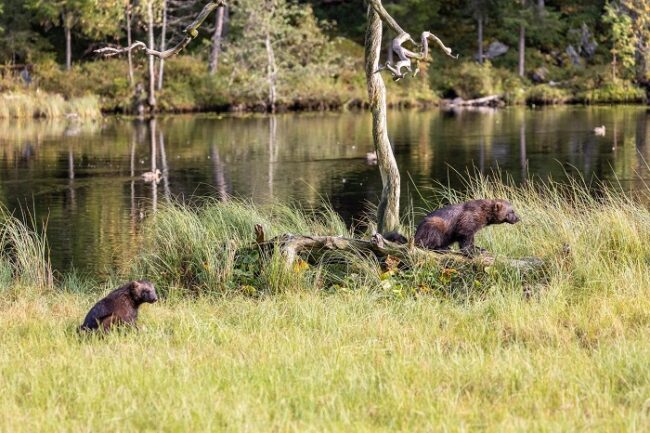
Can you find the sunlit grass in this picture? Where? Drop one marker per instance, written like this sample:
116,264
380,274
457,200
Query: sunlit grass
316,362
28,105
24,255
339,346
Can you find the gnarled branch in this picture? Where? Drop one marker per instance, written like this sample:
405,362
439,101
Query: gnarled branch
405,55
190,32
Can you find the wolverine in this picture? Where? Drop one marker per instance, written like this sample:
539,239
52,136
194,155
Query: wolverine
460,223
120,306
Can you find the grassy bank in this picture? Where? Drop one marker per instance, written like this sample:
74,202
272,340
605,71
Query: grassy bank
339,346
103,86
34,104
590,85
313,362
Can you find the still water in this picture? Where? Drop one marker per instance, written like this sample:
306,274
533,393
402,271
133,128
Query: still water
84,179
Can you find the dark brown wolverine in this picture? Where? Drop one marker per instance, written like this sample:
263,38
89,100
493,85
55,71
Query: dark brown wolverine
120,306
460,222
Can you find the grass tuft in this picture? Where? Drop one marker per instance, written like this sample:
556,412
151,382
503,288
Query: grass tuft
24,255
27,105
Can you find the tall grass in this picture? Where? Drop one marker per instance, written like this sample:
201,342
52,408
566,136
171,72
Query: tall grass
320,363
46,105
24,255
589,243
200,249
425,349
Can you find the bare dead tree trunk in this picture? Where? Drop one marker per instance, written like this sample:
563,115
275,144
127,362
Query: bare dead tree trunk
522,49
480,39
163,45
540,4
271,71
67,29
388,209
152,72
216,41
129,12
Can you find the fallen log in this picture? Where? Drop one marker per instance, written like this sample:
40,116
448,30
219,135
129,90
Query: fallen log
490,101
313,247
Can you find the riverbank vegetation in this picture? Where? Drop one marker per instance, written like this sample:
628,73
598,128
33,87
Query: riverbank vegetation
536,53
342,344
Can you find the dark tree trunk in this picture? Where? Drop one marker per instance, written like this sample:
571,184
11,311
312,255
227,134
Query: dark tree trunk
480,40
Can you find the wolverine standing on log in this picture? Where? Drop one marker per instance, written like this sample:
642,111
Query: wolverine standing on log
460,223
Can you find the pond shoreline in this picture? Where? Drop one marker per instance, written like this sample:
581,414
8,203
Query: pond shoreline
38,105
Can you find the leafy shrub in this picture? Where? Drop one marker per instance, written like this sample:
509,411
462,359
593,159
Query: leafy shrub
614,92
543,94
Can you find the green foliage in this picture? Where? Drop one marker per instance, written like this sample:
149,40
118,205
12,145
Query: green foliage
543,94
470,80
317,70
614,92
624,40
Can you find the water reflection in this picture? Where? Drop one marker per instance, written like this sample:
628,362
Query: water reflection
86,180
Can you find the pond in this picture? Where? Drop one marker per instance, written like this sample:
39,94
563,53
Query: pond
83,180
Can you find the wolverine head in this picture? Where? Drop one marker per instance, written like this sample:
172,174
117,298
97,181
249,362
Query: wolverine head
143,291
504,212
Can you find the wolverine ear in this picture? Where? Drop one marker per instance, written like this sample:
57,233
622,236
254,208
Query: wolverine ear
498,206
136,289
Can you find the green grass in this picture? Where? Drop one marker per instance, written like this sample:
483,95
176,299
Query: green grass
24,256
339,346
315,362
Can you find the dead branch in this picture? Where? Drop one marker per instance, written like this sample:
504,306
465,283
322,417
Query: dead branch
190,33
293,246
406,56
484,101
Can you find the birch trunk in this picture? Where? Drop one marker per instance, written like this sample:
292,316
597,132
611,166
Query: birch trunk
67,28
388,209
271,71
129,40
163,45
152,72
216,41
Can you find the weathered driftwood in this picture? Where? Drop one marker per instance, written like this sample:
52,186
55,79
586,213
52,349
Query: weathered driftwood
405,55
478,102
294,246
